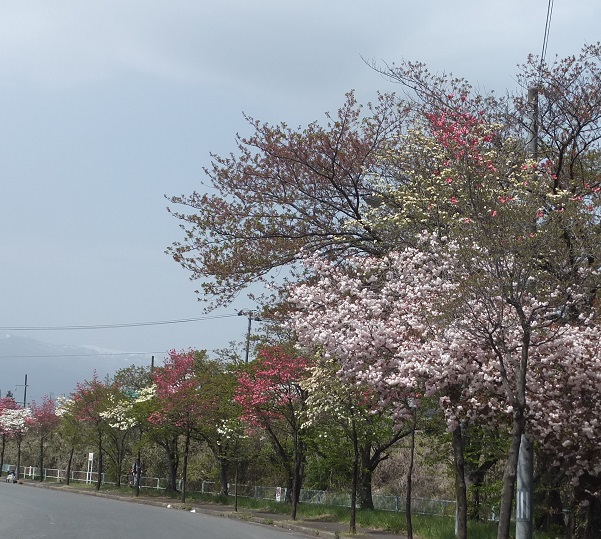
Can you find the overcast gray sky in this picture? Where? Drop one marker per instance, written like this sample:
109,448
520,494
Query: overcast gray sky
107,106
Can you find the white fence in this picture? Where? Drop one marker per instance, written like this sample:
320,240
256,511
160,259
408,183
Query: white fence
320,497
54,474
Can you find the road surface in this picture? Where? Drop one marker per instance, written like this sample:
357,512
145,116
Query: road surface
28,512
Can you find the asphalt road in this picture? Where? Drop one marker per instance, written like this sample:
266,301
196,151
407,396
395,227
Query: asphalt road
36,513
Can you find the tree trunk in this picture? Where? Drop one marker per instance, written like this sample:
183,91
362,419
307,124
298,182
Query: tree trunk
137,473
548,498
118,470
170,447
236,487
100,463
185,467
410,480
69,463
509,477
224,465
364,492
588,514
139,465
289,486
517,429
172,463
355,481
18,457
297,474
475,479
2,453
41,458
551,517
460,488
117,453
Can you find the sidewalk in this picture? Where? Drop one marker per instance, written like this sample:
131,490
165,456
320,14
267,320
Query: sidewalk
309,527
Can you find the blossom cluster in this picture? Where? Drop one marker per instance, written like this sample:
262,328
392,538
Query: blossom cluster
414,323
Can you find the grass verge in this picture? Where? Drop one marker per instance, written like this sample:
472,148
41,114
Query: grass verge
424,526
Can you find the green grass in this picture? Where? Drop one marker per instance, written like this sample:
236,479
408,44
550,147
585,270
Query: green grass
424,526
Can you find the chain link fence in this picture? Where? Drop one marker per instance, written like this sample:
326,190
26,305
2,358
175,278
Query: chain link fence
319,497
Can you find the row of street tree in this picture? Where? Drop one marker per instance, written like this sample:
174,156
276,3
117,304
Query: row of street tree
281,409
443,253
442,257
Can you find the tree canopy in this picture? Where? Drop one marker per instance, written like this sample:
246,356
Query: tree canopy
452,246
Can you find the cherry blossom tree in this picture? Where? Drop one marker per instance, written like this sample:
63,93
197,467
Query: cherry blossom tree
43,422
565,407
272,398
396,323
6,403
14,422
286,190
518,237
528,231
376,317
89,402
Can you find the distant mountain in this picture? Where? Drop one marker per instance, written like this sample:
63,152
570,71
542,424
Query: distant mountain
53,369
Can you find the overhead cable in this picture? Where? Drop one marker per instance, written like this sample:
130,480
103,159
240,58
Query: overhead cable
114,326
547,30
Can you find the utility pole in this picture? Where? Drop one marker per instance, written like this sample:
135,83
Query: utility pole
252,315
25,393
525,471
19,438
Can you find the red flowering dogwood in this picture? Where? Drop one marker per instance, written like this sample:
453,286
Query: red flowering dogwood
271,396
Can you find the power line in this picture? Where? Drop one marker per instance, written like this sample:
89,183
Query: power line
82,355
114,326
